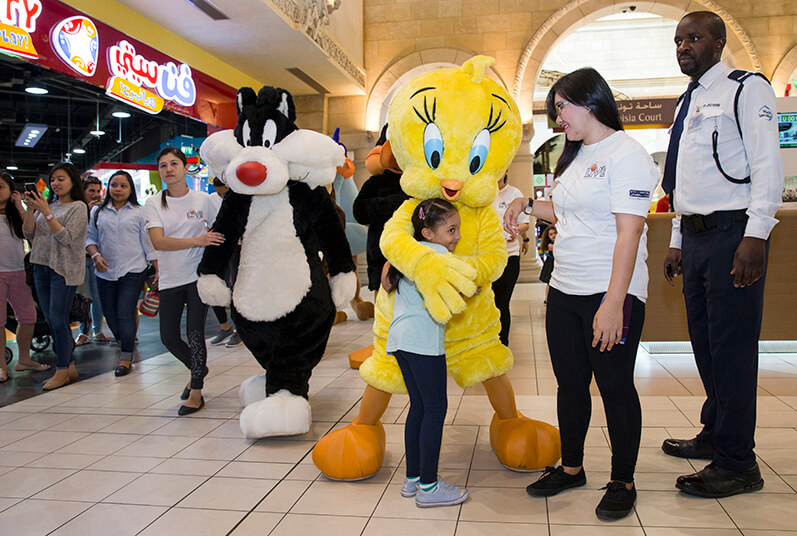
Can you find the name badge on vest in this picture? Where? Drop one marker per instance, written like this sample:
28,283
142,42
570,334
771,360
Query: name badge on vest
695,121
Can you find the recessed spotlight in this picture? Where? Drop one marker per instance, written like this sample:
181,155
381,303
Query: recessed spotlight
79,150
120,114
97,133
36,90
12,167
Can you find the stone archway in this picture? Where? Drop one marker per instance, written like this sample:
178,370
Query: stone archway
739,50
400,72
783,71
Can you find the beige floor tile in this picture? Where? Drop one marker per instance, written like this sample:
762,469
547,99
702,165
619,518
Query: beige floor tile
157,490
475,528
308,471
686,531
27,481
130,464
762,511
175,466
781,460
136,425
753,532
265,470
283,496
502,478
381,526
36,422
653,460
66,461
215,448
229,494
269,450
11,416
100,444
503,505
45,441
257,524
89,486
393,505
577,507
35,517
9,437
18,459
332,498
667,509
190,427
607,529
7,502
193,522
157,446
229,428
293,524
85,423
126,520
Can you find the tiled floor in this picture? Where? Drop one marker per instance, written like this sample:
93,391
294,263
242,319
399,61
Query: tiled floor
108,456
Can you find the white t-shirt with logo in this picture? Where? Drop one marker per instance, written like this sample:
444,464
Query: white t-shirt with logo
188,216
613,176
506,195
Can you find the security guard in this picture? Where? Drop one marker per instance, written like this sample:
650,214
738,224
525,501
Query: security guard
724,165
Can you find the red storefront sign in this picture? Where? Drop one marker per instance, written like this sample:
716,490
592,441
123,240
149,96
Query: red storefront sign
61,38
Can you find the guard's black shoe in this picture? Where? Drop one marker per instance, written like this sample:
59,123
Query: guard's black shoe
554,480
715,482
688,448
617,502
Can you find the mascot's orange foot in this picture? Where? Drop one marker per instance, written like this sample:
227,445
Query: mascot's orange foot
523,444
363,309
351,453
340,316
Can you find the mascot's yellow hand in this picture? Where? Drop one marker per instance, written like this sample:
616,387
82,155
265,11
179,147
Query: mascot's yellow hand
442,280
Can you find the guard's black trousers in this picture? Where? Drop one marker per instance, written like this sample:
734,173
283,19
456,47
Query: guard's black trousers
724,325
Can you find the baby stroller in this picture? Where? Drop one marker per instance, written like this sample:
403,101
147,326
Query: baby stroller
41,332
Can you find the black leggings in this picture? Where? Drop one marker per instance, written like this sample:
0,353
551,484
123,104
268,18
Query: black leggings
194,354
503,288
425,378
568,325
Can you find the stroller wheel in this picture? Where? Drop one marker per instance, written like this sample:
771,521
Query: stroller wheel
40,343
9,355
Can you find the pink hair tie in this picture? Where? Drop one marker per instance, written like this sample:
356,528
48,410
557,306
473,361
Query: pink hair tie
420,214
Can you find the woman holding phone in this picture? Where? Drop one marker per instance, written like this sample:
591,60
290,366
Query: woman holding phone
179,221
58,230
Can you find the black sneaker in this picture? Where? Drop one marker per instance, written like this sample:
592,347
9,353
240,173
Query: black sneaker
617,502
555,480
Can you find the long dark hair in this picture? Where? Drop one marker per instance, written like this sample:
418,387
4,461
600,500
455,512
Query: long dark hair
583,87
13,218
429,214
546,239
76,192
133,199
175,152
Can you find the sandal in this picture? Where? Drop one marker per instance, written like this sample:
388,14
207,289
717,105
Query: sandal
82,339
3,375
36,367
102,337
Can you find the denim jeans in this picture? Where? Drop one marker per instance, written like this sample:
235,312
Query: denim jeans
96,307
55,300
119,300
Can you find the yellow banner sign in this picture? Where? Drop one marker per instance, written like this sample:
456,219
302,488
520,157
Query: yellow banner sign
136,96
17,41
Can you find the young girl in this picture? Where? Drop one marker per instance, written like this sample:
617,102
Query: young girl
178,220
546,246
58,255
13,288
416,341
119,246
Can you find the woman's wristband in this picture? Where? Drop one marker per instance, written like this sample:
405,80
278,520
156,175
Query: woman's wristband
95,255
525,239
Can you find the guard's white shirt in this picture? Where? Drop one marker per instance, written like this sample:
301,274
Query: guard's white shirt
188,216
614,176
699,186
506,195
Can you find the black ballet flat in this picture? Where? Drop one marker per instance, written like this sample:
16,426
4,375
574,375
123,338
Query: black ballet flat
121,371
186,410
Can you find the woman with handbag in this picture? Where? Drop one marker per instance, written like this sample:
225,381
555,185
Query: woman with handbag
119,246
179,221
58,230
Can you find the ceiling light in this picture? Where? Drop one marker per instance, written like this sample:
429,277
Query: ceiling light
97,133
79,150
31,134
11,167
36,90
120,114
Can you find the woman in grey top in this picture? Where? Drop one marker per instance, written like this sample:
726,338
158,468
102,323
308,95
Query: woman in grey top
58,230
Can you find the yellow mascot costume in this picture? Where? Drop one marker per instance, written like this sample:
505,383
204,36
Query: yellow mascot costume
454,132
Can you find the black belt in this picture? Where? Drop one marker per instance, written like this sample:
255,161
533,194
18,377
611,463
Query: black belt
697,223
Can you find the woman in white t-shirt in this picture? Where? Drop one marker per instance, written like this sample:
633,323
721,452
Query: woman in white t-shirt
13,286
179,221
599,203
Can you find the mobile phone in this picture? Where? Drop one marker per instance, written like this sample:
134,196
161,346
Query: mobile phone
31,187
95,197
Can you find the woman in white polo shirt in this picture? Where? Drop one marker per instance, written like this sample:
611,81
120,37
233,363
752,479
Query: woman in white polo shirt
599,202
179,221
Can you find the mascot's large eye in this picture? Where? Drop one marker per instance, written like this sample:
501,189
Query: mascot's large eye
479,150
432,145
269,133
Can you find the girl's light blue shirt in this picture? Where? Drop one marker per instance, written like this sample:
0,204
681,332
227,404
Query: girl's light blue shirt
122,239
413,329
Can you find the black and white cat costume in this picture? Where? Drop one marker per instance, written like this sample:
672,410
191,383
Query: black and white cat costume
283,304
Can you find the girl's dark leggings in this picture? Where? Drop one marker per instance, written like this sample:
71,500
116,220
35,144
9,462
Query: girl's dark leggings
193,354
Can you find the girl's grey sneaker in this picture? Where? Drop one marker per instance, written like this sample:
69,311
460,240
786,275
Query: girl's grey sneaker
444,495
221,336
234,341
409,488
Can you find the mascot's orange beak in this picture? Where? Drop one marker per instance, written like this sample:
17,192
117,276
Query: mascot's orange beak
347,169
372,161
251,173
387,160
451,189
